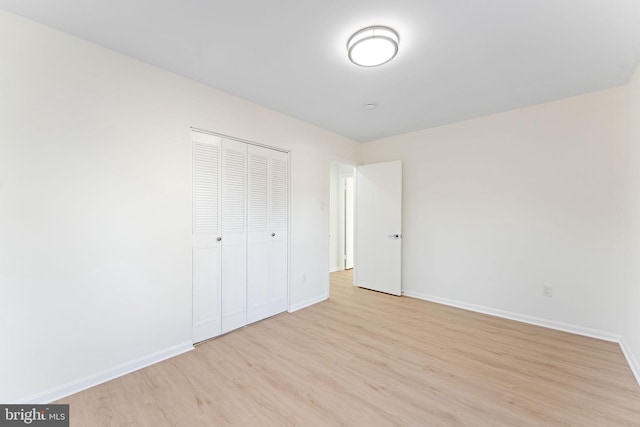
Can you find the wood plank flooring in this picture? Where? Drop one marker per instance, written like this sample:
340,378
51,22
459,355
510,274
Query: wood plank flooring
364,358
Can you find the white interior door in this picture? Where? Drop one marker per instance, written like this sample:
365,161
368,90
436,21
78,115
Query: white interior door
378,252
234,235
206,234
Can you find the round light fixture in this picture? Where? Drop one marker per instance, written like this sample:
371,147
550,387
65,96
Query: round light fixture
373,46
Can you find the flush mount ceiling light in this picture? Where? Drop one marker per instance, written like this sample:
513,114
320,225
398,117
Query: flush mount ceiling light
373,46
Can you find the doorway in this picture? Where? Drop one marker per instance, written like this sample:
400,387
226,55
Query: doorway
342,216
365,224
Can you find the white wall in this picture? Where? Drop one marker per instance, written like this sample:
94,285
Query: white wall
95,206
497,207
631,341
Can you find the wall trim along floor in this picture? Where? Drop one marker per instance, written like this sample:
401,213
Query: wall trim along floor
81,384
307,303
631,359
566,327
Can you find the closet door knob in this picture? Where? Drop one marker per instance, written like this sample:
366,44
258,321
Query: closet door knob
219,238
273,234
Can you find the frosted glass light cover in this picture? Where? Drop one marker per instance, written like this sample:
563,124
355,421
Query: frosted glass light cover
373,46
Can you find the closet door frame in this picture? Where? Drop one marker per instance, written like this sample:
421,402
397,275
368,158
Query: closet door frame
288,156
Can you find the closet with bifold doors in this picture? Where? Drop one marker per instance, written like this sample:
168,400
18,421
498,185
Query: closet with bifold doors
240,233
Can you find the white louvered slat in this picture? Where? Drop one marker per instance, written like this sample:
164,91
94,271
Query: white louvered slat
234,203
279,193
258,187
205,188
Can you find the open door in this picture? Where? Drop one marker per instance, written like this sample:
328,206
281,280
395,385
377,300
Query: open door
378,263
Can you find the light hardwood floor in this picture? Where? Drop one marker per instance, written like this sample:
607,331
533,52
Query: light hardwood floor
364,358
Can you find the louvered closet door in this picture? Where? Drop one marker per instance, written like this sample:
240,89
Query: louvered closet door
234,235
206,230
278,223
259,236
267,239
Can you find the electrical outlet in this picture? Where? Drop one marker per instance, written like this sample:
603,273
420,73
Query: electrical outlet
547,291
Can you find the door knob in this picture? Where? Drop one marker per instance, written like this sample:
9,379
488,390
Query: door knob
273,234
219,238
395,236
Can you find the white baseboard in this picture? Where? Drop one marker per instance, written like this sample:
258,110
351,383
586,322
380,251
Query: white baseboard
566,327
307,303
81,384
631,359
334,269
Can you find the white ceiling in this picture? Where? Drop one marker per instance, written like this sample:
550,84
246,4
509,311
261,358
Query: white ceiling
458,59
